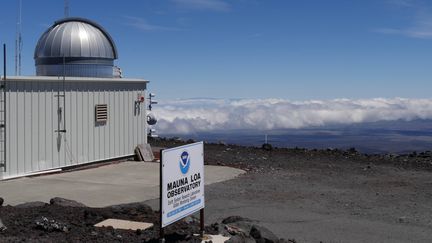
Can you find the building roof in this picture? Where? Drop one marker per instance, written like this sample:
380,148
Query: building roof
74,79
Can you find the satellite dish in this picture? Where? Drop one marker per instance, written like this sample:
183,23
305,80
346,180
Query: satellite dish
151,119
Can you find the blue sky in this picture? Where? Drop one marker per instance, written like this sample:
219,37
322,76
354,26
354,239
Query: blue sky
297,50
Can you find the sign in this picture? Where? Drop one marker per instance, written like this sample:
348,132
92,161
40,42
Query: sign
182,182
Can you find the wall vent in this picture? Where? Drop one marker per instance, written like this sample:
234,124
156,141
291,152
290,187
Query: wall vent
101,113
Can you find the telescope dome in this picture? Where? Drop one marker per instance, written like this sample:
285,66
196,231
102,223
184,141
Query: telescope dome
75,47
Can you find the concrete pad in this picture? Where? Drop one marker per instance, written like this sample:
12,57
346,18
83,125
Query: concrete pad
215,238
113,184
124,224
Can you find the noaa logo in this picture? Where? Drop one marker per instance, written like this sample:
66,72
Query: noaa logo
184,162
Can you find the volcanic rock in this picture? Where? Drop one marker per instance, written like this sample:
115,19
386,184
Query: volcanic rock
261,234
51,225
31,204
58,201
233,219
2,226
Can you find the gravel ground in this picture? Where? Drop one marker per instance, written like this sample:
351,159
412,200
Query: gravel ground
300,195
325,195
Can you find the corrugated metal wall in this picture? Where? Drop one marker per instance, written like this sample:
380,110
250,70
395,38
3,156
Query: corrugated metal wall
32,120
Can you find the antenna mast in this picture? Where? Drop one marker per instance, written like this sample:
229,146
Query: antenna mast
66,8
18,41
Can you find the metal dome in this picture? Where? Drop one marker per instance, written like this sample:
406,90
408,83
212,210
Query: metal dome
75,47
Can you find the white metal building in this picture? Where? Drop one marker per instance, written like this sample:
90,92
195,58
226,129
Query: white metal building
46,131
74,113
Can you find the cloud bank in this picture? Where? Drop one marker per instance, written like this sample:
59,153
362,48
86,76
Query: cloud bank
210,115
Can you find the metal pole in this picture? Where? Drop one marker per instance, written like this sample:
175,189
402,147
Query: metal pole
59,108
66,8
18,41
59,115
202,223
4,61
64,94
161,229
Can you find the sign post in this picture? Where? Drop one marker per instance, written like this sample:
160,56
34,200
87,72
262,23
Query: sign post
181,184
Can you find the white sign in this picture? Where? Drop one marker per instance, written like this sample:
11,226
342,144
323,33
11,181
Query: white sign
182,183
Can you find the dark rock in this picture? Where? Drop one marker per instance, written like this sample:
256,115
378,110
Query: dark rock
234,230
136,206
246,230
2,226
190,220
58,201
223,143
262,234
267,147
243,226
31,204
233,219
215,226
1,201
178,237
240,239
255,233
352,151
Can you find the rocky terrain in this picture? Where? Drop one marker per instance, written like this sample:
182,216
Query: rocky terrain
260,157
292,193
328,195
64,220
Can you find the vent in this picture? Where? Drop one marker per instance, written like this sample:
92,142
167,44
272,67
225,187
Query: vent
101,113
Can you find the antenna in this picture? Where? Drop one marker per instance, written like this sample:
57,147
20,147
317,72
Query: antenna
18,41
66,8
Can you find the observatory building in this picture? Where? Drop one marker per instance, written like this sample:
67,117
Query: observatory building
76,109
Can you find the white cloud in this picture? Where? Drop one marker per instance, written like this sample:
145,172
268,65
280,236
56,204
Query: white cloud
212,5
144,25
421,30
207,115
421,24
401,3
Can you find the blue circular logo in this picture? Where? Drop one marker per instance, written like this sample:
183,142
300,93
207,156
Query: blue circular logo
184,162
